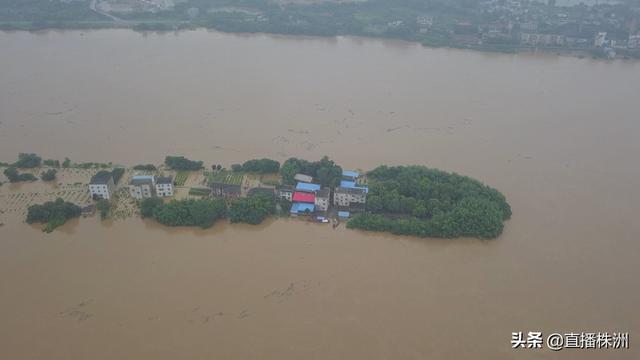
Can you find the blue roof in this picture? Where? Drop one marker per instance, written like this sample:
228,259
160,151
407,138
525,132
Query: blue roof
307,187
351,174
352,185
347,183
297,207
343,214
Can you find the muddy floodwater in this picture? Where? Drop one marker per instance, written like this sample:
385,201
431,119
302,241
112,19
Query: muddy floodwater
557,135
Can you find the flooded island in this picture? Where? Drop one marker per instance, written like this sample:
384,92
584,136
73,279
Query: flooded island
404,200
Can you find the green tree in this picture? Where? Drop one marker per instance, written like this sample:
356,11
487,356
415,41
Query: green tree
104,206
49,175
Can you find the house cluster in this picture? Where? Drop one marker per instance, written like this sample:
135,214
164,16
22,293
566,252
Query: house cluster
146,186
308,198
102,186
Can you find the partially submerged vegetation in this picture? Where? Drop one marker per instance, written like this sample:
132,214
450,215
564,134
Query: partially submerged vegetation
52,213
48,175
14,176
326,172
203,213
415,200
182,163
251,210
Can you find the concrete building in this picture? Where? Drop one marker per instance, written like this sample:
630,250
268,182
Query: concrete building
164,186
346,196
322,199
142,186
634,42
101,185
600,39
285,192
542,39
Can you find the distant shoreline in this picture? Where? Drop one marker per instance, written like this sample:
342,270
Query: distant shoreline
578,52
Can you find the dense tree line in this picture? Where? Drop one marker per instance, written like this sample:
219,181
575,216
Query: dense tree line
261,166
203,213
52,163
14,176
415,200
52,213
28,161
325,172
49,175
182,163
145,167
251,210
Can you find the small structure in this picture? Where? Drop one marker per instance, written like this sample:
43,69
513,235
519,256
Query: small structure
142,186
285,192
226,190
303,178
164,186
101,185
343,214
322,199
302,208
307,187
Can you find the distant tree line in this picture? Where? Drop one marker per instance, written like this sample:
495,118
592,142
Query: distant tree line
415,200
52,213
260,166
182,163
325,172
145,167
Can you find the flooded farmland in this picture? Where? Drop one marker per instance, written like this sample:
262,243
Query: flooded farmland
556,135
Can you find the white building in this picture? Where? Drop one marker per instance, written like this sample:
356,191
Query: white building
344,196
101,185
601,38
634,42
164,186
303,178
142,186
285,192
322,199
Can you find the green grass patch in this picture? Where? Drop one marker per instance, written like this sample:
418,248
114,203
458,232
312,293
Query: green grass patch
226,177
200,191
181,178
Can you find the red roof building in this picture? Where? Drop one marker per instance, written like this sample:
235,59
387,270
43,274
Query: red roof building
304,197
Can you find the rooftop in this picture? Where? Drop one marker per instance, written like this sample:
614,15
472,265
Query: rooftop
298,208
307,187
137,181
304,197
323,193
101,178
350,174
164,180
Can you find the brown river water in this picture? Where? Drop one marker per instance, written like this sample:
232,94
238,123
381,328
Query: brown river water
557,135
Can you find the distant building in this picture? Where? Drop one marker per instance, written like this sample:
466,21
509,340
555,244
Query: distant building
101,185
346,196
164,186
634,42
322,199
142,186
303,178
600,40
542,39
285,192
